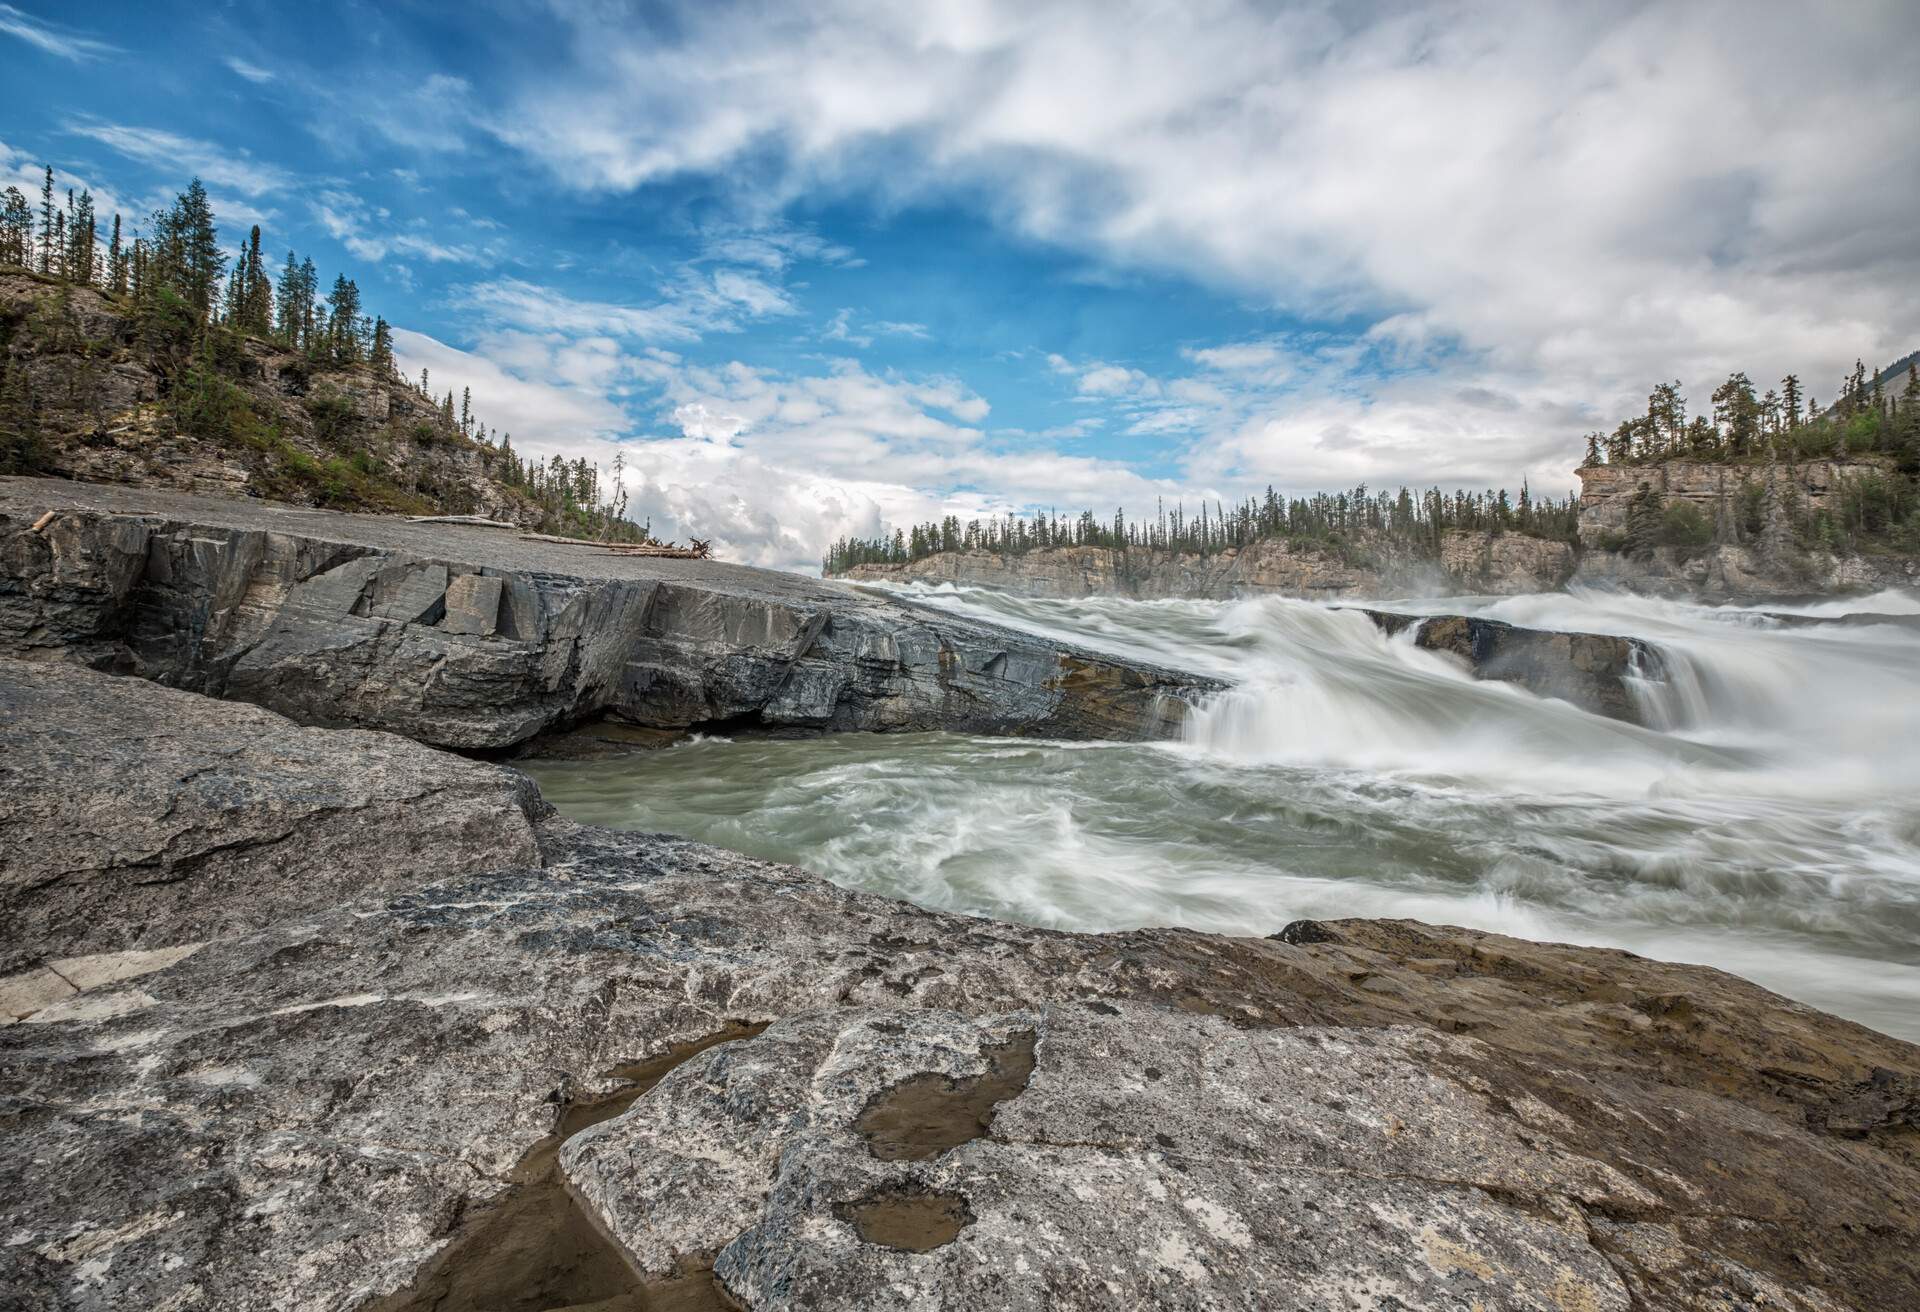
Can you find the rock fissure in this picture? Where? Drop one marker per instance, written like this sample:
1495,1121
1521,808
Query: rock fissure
538,1245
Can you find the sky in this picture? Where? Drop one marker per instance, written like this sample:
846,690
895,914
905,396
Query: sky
817,270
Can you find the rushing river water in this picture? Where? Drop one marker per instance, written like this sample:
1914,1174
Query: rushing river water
1770,825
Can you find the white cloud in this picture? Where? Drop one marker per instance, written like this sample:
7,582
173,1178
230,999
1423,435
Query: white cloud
526,393
772,466
1574,199
251,72
373,235
53,38
217,166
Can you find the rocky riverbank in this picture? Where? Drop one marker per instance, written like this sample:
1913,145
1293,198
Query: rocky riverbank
618,1066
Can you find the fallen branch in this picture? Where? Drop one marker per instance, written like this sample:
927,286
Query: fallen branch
700,549
42,522
478,521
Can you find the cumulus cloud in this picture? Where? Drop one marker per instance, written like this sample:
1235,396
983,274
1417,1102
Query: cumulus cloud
1584,197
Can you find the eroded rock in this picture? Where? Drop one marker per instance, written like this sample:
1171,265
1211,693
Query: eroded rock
1591,670
360,1097
134,819
474,639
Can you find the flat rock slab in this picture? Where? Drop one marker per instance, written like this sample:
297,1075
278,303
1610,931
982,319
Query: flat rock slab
468,638
1153,1158
136,818
311,1115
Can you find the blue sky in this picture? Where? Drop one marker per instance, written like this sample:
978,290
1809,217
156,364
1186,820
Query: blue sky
823,269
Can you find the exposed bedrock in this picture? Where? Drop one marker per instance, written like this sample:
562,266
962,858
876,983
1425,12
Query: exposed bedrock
136,818
1591,670
476,639
625,1065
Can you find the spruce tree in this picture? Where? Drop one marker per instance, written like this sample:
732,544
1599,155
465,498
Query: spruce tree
16,229
381,354
45,261
116,262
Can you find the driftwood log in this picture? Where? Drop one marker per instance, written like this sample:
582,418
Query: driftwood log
698,548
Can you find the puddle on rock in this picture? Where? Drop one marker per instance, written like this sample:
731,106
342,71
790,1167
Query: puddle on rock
926,1115
535,1249
909,1217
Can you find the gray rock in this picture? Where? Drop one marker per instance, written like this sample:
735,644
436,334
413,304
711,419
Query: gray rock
1153,1158
336,1107
473,605
136,818
1591,670
359,621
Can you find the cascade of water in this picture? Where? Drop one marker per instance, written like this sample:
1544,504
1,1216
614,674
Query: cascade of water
1766,818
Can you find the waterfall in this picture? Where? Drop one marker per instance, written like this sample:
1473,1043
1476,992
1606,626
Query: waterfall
1764,817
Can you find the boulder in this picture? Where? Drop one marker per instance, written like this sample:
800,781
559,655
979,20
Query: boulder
1591,670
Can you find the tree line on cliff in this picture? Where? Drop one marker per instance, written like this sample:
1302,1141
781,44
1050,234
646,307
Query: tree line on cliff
1872,431
1358,526
194,308
1870,417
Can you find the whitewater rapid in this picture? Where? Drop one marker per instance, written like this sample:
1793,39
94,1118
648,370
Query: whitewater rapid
1766,822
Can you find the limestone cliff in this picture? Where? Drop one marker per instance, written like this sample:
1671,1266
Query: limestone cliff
1743,560
1468,563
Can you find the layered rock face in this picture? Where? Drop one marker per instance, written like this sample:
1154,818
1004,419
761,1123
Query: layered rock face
624,1070
1592,670
1729,571
476,639
1607,490
1469,562
138,818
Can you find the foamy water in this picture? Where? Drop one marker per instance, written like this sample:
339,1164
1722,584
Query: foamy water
1769,824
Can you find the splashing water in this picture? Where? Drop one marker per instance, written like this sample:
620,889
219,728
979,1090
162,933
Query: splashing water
1767,821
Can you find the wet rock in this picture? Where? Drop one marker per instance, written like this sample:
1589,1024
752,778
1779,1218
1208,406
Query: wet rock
1591,670
135,818
478,640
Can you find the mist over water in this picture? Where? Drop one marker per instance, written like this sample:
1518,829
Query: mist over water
1769,824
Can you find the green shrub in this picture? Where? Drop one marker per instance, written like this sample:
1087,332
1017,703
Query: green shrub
1685,528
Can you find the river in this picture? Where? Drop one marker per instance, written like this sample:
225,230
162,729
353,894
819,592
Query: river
1769,824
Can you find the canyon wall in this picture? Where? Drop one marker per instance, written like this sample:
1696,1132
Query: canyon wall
1469,563
1739,564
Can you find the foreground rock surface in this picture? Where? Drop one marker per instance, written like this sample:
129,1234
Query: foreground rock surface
477,639
138,818
350,1105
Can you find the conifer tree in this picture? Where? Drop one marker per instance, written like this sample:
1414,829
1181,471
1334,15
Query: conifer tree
81,238
116,262
45,261
1790,398
16,229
